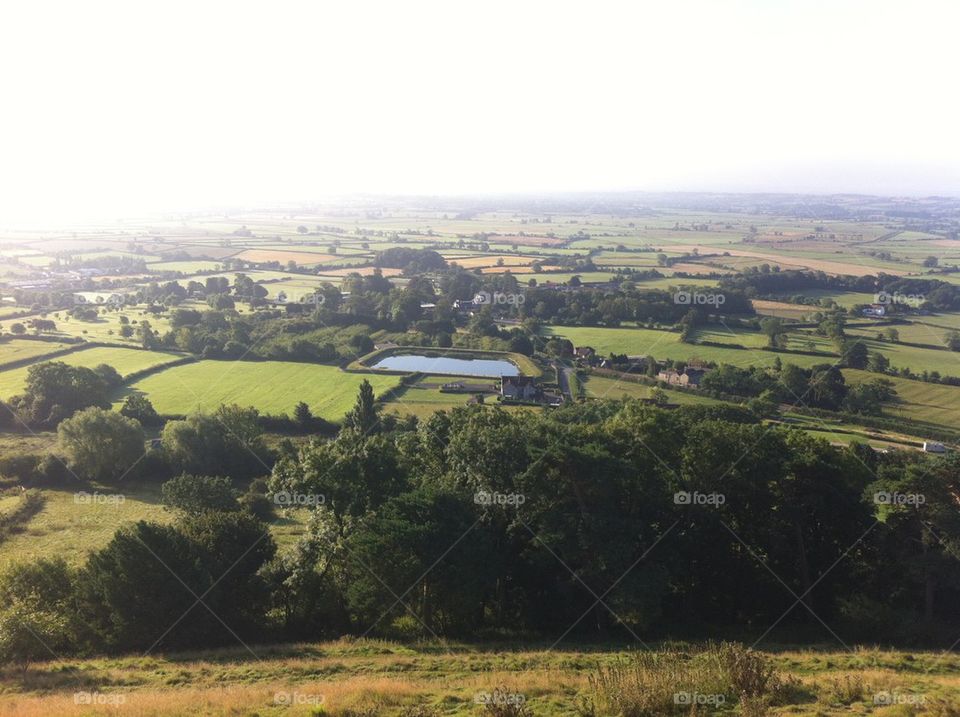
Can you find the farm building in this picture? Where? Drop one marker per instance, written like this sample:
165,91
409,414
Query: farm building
688,377
520,387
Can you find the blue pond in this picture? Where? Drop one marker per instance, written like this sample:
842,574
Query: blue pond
493,368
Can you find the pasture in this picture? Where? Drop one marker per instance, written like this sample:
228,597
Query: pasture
667,345
26,349
273,387
124,360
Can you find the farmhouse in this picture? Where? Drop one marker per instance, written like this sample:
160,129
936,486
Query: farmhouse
875,310
464,305
934,447
689,377
585,353
519,387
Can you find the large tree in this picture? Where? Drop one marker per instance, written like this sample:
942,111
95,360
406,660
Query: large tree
100,445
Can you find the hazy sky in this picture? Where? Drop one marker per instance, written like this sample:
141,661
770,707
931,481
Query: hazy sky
114,108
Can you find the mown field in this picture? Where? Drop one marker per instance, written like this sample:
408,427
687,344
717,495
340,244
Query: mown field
124,360
931,403
369,678
270,386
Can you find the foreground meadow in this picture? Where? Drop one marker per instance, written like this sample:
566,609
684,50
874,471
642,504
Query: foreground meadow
353,678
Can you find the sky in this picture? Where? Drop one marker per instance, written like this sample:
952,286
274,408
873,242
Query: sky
109,109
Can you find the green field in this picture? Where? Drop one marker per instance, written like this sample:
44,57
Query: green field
270,386
69,525
667,345
930,403
23,349
125,360
611,388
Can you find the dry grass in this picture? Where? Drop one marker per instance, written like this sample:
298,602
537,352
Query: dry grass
353,678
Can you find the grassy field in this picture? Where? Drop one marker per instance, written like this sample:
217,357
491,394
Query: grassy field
270,386
69,526
611,388
22,349
666,344
369,678
931,403
126,361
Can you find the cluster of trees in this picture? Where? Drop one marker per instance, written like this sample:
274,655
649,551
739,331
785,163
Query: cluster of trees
479,522
821,386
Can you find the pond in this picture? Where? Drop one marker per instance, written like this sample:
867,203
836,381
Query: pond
493,368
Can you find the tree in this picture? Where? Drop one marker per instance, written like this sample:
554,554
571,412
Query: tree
772,327
855,354
56,391
109,374
952,340
142,582
302,229
931,261
302,416
363,417
18,329
878,363
892,335
138,407
196,494
227,442
99,444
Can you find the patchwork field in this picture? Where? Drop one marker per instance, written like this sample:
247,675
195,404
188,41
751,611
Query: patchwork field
270,386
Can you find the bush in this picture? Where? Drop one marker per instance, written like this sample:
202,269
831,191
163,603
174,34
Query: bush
672,682
196,494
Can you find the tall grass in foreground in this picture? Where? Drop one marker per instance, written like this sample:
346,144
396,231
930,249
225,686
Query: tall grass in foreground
676,682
